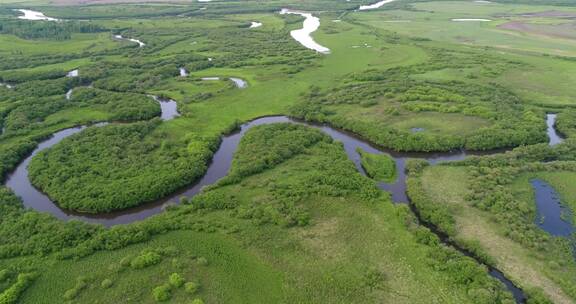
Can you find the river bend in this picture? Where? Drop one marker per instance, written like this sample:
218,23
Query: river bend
219,167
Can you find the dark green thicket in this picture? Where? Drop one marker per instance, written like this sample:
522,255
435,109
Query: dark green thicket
23,76
265,147
27,232
116,167
123,106
270,145
12,293
566,123
46,29
30,112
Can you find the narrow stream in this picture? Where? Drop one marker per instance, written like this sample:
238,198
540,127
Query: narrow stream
553,135
220,165
8,86
69,94
73,73
140,43
255,24
238,82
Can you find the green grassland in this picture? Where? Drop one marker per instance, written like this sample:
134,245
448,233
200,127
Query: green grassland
534,82
293,222
80,42
231,273
433,20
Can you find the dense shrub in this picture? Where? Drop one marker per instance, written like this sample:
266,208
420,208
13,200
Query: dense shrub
191,287
118,166
176,280
46,30
106,283
269,145
146,259
11,294
81,284
162,293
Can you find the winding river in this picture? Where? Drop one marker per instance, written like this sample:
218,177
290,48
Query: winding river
34,15
255,24
19,182
140,43
303,35
6,85
374,5
220,165
552,215
553,135
238,82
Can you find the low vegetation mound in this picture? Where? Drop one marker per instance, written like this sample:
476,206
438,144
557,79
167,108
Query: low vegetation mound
270,145
380,167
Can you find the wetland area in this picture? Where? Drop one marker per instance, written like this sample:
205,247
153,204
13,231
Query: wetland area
288,152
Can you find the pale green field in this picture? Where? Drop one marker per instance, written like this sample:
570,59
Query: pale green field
78,43
433,20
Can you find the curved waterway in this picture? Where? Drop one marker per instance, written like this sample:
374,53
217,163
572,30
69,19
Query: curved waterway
6,85
140,43
554,137
255,24
169,108
303,35
238,82
34,15
374,5
73,73
220,165
552,216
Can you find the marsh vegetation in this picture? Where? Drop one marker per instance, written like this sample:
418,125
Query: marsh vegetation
249,188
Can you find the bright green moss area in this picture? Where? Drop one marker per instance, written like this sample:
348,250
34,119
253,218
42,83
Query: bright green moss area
380,167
